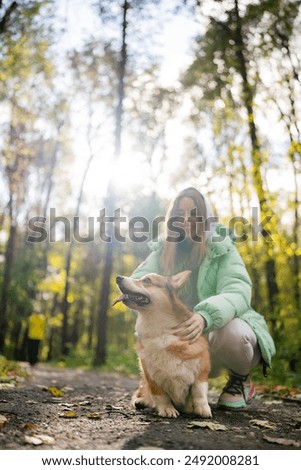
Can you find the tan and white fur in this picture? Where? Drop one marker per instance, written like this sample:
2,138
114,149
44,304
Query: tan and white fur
174,372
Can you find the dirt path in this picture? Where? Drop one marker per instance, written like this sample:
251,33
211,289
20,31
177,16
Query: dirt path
95,413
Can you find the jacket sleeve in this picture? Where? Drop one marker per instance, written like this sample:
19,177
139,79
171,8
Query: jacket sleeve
233,292
149,265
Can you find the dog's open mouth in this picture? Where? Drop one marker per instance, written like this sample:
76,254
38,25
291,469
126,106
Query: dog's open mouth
132,298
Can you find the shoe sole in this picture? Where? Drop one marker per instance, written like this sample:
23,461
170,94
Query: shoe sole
240,405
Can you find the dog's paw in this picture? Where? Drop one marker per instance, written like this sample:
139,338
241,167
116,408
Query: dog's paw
139,404
168,412
203,411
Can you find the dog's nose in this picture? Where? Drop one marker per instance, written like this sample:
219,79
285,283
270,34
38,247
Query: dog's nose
119,279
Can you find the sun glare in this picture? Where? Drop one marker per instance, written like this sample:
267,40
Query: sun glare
130,172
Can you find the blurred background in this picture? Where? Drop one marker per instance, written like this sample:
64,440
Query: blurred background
118,105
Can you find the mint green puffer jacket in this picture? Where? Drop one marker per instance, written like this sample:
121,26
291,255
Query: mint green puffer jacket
223,287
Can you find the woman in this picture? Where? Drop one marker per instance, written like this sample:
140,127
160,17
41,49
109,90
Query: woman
219,294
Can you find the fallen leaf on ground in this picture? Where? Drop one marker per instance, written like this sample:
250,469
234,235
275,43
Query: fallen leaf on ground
29,426
69,405
94,415
69,414
39,439
33,440
45,439
272,402
207,424
67,389
55,392
111,407
281,441
85,403
261,423
3,420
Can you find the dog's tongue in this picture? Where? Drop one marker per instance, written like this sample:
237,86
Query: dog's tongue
120,299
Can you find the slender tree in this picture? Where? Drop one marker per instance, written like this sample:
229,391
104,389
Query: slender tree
6,14
71,246
101,345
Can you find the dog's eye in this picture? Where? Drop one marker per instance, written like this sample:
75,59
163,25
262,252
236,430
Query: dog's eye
147,280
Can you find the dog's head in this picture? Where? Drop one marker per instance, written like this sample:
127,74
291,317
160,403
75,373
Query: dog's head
150,290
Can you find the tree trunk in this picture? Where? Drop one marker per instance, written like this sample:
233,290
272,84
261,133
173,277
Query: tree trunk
15,338
296,257
101,321
294,154
65,302
101,345
256,156
290,120
48,195
9,252
52,329
6,17
75,334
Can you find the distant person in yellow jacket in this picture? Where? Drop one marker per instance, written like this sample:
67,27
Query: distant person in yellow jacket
36,333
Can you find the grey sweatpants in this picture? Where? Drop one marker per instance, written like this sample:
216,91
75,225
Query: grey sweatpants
235,347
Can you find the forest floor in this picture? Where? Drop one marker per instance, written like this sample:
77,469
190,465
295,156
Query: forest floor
70,409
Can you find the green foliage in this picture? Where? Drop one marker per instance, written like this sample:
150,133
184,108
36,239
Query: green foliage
119,360
122,361
10,371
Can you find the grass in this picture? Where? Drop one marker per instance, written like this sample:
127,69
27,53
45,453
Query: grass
10,371
122,361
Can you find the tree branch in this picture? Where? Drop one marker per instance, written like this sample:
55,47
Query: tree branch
6,16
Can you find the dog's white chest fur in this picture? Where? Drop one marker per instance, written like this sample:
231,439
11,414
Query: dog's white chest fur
174,375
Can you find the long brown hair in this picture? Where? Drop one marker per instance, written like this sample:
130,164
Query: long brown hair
171,261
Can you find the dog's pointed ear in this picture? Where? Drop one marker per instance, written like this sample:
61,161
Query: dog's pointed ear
178,280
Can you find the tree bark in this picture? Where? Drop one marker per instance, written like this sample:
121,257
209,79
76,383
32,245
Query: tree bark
8,263
52,329
101,345
65,302
256,155
5,18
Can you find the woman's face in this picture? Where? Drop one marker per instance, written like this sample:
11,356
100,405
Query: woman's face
185,208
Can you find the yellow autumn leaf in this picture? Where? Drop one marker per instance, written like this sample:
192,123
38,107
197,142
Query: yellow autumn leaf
95,415
55,392
69,414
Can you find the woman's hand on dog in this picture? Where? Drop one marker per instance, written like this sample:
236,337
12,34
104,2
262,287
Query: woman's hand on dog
190,330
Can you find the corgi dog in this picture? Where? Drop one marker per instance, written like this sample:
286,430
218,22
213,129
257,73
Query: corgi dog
174,372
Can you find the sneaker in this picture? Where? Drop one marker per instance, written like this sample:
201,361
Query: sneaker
238,392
